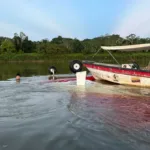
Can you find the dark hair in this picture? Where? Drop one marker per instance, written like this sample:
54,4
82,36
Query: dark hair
18,74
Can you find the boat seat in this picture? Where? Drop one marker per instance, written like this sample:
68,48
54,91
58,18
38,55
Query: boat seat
129,66
134,65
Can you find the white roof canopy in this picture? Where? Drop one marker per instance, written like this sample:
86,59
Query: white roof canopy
137,47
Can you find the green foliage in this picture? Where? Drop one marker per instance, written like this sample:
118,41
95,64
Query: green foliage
102,57
58,40
50,48
77,46
20,43
7,46
56,49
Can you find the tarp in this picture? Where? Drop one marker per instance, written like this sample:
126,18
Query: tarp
137,47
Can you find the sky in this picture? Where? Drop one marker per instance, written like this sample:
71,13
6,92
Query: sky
40,19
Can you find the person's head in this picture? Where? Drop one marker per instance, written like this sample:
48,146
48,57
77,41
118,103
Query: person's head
17,77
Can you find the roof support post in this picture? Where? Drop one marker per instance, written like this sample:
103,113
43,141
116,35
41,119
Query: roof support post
113,57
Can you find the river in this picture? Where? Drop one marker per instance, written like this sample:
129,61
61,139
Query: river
37,115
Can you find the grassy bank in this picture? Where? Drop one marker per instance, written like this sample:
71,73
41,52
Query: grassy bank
38,57
102,57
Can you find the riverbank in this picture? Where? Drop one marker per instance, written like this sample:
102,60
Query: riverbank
35,57
38,64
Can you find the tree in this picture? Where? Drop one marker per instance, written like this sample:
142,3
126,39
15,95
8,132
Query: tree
27,46
18,40
7,46
42,46
58,45
58,40
131,38
77,46
68,42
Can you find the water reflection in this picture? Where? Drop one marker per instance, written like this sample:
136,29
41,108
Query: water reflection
119,99
27,69
125,115
36,68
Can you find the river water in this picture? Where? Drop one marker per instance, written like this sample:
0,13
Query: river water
38,115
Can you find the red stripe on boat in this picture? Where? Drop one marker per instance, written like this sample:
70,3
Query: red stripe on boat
119,70
90,78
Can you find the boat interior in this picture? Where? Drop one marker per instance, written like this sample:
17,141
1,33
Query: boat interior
134,66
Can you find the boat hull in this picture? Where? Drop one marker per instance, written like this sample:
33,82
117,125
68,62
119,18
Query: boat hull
67,79
119,75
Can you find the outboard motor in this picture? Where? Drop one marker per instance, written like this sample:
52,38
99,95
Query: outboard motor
135,66
52,70
75,66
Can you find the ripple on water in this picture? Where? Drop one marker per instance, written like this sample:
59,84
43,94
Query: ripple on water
124,116
66,116
29,101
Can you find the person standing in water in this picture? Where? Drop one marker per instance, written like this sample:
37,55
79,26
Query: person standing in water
18,77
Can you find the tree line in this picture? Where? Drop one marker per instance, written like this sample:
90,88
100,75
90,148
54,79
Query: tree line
20,43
